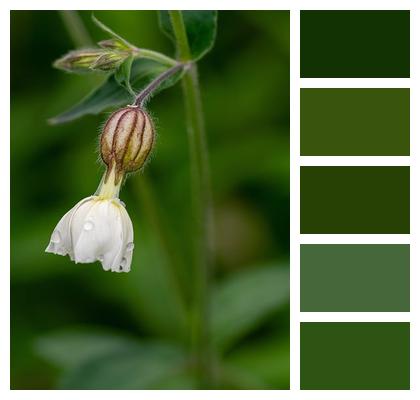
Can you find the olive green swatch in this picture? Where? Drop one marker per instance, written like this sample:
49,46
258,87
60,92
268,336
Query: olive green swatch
355,355
355,200
355,122
355,44
355,277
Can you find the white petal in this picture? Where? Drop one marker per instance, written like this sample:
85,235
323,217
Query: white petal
122,262
91,231
99,233
61,241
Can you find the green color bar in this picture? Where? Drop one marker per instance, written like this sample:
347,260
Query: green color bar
355,200
355,122
355,44
355,277
355,355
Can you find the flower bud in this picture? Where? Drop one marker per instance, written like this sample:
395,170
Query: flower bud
127,139
115,44
88,60
108,61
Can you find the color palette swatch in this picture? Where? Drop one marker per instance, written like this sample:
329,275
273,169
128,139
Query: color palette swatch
355,122
355,44
355,200
355,278
343,125
355,355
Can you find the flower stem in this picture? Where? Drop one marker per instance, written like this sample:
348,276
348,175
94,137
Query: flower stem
156,56
180,33
110,185
75,27
152,86
201,207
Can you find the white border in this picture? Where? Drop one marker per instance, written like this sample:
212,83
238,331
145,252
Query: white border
355,161
414,200
296,238
5,214
354,83
294,199
355,239
354,316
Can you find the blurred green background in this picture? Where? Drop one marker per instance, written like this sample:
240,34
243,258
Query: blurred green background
76,326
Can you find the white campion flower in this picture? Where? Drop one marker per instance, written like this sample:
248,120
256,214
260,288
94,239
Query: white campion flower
98,228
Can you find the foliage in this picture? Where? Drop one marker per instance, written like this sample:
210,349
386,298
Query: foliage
243,302
74,326
113,92
200,27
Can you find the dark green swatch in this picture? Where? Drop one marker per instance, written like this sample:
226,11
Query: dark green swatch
355,44
355,355
355,277
355,122
355,200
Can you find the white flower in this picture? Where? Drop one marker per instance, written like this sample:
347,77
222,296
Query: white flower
98,228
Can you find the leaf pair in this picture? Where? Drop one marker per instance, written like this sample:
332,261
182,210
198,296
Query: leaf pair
113,92
130,70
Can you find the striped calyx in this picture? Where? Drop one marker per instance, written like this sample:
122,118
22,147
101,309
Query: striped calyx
127,139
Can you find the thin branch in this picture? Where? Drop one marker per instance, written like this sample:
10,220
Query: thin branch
152,86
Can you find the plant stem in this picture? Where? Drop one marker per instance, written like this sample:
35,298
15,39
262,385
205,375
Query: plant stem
152,86
156,56
180,33
75,27
201,207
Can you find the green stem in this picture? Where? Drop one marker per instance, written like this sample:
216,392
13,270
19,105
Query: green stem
76,29
156,56
201,206
180,33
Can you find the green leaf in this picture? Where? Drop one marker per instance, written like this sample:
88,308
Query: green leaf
263,364
123,74
245,300
124,43
201,29
141,366
109,94
112,94
72,347
185,379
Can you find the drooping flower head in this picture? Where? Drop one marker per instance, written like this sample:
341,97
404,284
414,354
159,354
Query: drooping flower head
98,228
